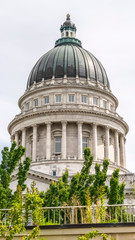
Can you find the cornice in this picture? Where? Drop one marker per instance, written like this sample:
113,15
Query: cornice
37,175
21,118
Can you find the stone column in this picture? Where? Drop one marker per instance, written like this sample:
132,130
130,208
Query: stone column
79,140
122,151
107,140
16,138
24,137
64,140
116,148
34,150
94,141
48,141
23,141
12,138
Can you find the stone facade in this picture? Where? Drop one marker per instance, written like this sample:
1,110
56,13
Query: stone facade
37,127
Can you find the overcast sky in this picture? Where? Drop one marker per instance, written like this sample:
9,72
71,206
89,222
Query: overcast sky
29,28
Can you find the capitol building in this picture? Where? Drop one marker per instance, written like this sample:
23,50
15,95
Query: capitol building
67,106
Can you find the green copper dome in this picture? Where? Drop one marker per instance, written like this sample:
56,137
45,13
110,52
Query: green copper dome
68,59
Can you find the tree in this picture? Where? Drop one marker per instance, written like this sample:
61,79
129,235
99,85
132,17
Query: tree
64,192
99,185
22,172
116,191
58,192
33,203
16,217
80,182
10,158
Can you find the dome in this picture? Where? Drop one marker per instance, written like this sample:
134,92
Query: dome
68,59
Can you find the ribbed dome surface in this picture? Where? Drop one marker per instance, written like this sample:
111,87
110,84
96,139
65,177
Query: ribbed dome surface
68,60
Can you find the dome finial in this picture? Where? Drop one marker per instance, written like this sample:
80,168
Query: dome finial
68,16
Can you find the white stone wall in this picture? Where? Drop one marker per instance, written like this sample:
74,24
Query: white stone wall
35,121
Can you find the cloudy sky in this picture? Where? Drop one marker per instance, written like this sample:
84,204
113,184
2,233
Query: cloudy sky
29,28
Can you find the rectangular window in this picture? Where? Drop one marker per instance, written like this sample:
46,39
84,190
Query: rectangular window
54,173
46,99
35,102
84,99
28,106
84,143
57,144
111,107
104,104
95,101
58,98
71,98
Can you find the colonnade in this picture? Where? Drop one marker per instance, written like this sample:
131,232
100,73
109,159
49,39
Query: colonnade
119,142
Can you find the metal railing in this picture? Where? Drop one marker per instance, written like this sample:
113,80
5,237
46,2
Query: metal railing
90,214
81,214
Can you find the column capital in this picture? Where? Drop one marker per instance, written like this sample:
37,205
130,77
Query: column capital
34,125
107,127
48,123
94,124
79,122
116,130
122,135
23,129
64,122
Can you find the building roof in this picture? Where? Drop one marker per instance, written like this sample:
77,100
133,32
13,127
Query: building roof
68,59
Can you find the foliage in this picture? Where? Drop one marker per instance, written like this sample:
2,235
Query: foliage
81,181
17,219
33,204
89,210
100,209
58,192
22,172
116,191
93,234
100,177
33,235
10,158
74,192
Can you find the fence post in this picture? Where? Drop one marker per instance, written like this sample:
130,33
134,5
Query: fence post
73,215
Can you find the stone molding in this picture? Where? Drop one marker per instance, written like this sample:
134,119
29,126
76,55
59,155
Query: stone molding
86,86
21,117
